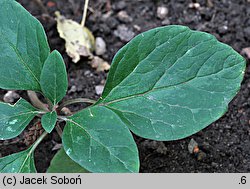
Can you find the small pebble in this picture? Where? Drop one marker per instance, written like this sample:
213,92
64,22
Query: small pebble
165,22
246,51
100,64
124,17
105,29
100,46
210,3
201,156
80,88
99,89
72,89
192,145
11,96
158,146
124,33
120,5
138,28
215,164
112,22
87,73
194,5
223,29
162,12
103,81
106,16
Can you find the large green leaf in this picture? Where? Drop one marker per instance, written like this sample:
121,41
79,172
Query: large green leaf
171,82
22,162
49,121
14,118
54,82
99,141
61,163
23,47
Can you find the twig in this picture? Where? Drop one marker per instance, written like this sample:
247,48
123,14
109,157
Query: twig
85,13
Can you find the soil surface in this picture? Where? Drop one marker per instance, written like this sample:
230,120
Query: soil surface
224,146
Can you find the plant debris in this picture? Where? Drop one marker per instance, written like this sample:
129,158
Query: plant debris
79,40
99,64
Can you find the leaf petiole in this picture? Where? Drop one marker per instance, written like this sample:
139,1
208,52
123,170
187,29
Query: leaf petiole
36,101
38,141
75,101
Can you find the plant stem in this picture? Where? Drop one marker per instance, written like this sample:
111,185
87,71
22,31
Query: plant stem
51,106
75,101
85,12
59,130
62,118
38,141
36,101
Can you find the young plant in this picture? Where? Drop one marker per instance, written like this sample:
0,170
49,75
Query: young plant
166,84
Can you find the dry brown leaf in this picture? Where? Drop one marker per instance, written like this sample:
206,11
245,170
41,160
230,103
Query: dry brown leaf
99,64
79,40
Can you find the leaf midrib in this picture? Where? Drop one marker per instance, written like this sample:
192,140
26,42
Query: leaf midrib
21,59
24,161
188,32
21,114
163,87
78,125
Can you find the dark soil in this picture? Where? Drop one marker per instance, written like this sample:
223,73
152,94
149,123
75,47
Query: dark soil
224,146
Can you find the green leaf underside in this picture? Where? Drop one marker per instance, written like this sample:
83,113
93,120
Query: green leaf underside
171,82
14,118
22,162
61,163
23,47
99,141
54,82
49,121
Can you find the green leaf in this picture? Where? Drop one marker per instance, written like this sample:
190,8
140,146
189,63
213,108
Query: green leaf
49,121
170,82
23,47
54,82
14,118
22,162
61,163
99,141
